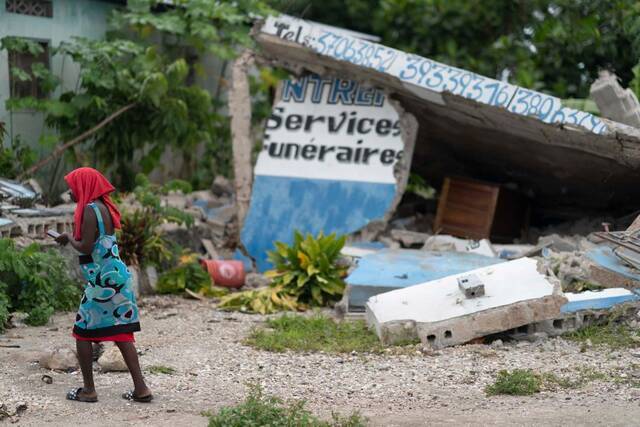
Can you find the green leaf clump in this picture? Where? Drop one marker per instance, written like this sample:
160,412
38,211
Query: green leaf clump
519,382
189,274
36,282
306,273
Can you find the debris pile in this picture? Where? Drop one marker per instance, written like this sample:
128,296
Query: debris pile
213,212
22,216
455,290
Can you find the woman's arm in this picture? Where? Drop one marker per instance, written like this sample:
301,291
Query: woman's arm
89,233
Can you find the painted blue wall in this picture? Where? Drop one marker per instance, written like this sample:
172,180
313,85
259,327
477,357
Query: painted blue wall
281,205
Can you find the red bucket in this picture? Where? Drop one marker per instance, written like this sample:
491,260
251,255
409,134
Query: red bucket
228,274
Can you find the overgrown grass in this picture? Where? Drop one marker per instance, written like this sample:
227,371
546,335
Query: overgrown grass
316,333
160,369
519,382
525,382
614,335
259,409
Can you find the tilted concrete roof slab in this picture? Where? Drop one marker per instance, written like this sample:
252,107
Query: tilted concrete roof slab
476,126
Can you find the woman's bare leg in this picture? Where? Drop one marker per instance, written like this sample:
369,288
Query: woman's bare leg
85,358
130,355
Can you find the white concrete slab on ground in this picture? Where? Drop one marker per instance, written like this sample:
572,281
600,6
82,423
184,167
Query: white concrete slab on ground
439,315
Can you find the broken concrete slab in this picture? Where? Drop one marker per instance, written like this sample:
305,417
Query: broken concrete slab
598,300
610,271
582,310
328,163
437,312
389,269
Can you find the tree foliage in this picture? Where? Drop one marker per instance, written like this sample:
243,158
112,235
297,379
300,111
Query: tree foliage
552,45
151,59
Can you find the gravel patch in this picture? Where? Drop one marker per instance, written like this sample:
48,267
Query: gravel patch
212,368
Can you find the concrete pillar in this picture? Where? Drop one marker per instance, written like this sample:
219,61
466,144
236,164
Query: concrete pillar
240,112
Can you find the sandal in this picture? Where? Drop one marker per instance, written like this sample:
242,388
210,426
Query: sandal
74,394
130,395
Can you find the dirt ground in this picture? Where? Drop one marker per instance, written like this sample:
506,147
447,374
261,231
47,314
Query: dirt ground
212,368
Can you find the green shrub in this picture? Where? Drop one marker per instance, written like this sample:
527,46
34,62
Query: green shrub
36,282
189,274
259,409
306,273
140,240
519,382
309,269
4,305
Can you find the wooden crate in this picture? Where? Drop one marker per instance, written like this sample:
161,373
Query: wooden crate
477,210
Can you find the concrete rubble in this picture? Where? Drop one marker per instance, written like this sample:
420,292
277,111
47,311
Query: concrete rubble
111,360
439,314
589,271
615,102
59,359
22,216
338,152
390,269
554,159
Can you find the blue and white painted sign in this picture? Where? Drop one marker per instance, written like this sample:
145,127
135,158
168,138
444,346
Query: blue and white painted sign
327,163
414,70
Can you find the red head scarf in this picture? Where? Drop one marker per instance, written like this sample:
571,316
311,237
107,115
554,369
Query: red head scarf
87,185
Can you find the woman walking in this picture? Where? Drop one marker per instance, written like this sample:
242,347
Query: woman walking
108,310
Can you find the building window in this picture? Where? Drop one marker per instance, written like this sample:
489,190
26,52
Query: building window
23,61
42,8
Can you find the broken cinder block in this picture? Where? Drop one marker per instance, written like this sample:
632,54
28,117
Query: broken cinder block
471,286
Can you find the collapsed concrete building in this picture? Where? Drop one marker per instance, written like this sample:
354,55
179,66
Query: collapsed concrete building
568,161
563,163
360,118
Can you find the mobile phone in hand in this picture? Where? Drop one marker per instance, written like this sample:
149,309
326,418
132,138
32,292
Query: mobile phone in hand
53,234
